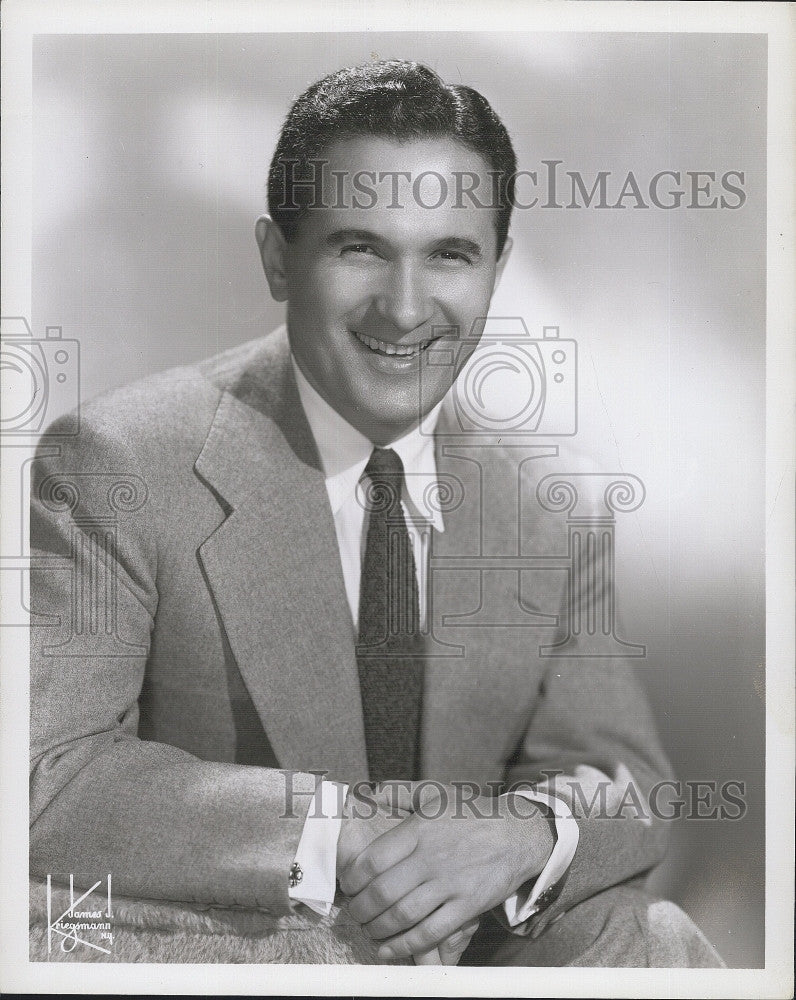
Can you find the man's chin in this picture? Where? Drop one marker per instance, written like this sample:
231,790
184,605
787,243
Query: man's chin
387,425
384,433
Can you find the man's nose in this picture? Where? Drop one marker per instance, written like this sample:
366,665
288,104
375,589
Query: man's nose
405,302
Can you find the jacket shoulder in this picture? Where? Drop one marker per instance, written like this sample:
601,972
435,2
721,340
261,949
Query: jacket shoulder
174,409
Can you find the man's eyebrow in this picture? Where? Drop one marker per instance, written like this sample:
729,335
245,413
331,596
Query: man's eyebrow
460,244
352,236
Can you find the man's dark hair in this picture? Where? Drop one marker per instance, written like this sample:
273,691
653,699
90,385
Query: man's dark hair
393,99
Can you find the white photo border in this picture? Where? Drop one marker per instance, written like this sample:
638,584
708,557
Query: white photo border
23,20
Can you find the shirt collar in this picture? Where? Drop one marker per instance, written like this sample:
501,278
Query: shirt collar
344,452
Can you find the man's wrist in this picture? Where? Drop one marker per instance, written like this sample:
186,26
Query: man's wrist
312,875
343,848
536,836
538,892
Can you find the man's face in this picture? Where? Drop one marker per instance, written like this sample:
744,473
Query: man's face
372,290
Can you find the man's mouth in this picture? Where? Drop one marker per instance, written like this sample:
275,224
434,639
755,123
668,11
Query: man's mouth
398,350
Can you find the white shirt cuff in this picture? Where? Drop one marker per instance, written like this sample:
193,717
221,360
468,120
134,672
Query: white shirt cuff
316,855
518,909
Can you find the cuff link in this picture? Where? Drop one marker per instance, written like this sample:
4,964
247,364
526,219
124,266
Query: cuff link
295,876
545,898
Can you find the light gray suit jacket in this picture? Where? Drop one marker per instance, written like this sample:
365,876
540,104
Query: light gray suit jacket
161,730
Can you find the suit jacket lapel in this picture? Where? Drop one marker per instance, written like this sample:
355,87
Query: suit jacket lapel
470,700
274,570
451,678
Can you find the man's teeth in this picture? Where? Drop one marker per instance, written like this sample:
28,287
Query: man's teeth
401,350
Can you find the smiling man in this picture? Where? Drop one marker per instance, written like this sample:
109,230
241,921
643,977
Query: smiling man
373,282
276,613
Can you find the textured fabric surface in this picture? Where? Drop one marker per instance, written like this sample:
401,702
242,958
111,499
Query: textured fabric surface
158,931
390,648
622,927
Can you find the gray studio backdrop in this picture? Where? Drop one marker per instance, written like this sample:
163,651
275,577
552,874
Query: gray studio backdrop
150,159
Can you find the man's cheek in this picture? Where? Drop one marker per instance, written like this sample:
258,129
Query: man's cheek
340,302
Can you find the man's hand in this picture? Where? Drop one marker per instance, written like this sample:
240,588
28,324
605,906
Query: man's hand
366,816
451,949
431,874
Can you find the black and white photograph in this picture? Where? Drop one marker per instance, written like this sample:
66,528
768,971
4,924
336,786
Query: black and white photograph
397,451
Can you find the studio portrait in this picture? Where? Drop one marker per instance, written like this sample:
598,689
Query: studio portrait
396,517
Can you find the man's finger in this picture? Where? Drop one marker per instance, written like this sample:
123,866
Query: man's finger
391,890
409,910
452,948
429,933
395,796
431,957
380,855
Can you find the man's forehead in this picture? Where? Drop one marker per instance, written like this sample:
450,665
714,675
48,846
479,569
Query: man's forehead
429,189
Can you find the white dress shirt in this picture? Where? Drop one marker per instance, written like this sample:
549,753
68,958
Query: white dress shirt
344,453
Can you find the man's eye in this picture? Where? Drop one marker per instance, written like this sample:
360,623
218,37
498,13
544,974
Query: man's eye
453,255
362,248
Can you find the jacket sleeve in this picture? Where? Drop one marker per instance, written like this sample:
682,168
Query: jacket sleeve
164,823
593,743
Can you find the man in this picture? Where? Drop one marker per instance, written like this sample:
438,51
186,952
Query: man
281,607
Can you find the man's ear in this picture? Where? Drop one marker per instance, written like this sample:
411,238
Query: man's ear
502,261
272,246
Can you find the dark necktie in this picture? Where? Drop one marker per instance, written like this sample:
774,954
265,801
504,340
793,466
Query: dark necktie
390,649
